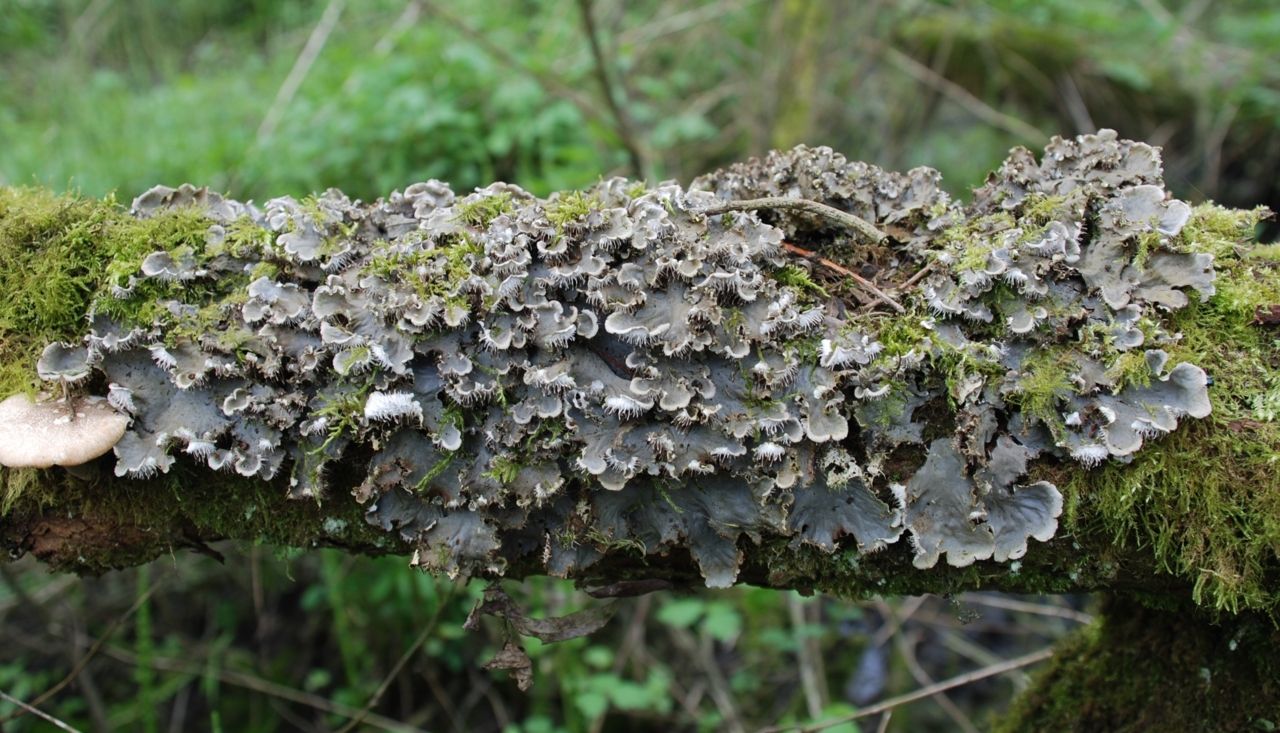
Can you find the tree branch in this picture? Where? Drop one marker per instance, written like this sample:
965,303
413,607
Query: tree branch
831,213
625,125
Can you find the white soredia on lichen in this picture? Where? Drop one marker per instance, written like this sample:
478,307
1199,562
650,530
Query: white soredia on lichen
502,369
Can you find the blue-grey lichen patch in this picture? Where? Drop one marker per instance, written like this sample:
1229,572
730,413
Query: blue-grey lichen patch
507,377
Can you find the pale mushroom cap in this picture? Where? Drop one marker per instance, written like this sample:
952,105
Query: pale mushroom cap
57,433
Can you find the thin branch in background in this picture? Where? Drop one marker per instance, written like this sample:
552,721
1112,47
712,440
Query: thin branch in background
549,82
442,698
906,647
257,684
301,67
1213,146
894,621
664,24
28,708
633,640
1076,107
427,630
55,586
406,20
1039,609
622,120
718,686
949,684
84,660
807,659
962,97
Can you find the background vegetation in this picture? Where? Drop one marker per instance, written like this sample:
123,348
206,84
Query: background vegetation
261,98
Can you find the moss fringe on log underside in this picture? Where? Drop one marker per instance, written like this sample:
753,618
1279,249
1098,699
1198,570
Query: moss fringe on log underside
1138,670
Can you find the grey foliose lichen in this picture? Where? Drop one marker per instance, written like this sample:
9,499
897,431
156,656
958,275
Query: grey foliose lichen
516,377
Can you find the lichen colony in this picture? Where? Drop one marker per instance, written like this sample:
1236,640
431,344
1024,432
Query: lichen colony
507,370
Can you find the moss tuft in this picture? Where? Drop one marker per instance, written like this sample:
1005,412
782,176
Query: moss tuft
1205,501
481,212
800,279
568,208
61,251
1210,677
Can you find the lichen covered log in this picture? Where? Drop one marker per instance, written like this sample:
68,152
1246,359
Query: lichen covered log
585,384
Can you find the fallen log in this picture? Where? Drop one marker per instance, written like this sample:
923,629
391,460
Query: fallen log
1061,385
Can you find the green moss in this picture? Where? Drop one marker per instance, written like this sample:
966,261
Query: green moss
456,255
1148,242
1218,230
1044,383
1205,500
901,334
1127,368
343,412
60,252
153,517
481,212
1040,209
800,279
503,469
566,208
1209,677
971,242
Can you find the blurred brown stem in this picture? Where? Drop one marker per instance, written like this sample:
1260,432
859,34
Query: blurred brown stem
920,694
622,120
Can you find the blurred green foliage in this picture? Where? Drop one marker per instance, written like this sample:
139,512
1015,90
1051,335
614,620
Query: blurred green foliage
102,95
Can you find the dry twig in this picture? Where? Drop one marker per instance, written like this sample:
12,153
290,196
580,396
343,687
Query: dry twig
850,221
922,693
837,268
28,708
310,52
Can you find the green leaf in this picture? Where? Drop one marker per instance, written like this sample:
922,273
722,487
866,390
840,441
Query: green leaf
840,710
599,657
591,704
723,622
631,696
682,612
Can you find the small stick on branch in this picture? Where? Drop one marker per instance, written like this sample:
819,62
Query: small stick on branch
856,223
862,282
928,267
